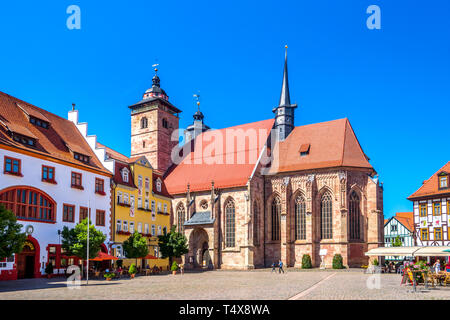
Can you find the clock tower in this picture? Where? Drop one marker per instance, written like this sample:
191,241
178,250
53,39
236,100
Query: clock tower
153,121
284,113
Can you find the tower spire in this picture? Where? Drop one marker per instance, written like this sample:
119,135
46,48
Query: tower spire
284,112
285,99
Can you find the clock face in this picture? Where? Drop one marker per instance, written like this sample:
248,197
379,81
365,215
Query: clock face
280,119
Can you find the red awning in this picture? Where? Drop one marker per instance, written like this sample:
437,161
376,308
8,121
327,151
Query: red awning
149,256
103,256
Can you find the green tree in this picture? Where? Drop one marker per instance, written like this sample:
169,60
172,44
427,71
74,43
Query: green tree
135,246
11,239
172,244
74,241
396,242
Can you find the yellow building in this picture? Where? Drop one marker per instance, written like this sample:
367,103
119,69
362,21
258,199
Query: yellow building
140,202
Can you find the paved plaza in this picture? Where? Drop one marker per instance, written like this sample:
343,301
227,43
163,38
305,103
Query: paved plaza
257,284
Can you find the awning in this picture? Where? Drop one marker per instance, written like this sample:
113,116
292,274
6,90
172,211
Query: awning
103,257
149,256
432,252
410,251
393,251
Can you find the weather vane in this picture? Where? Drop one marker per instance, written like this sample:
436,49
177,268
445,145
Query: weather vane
197,98
155,67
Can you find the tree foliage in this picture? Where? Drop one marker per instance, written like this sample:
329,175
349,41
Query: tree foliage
11,239
172,244
306,261
135,246
74,241
338,262
396,242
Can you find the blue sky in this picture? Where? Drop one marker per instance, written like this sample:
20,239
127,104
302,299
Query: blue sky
393,84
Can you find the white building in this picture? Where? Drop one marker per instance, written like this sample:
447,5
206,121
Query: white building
49,180
431,209
401,225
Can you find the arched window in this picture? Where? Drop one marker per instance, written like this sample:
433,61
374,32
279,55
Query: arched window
255,223
354,216
276,213
180,217
144,123
28,204
300,218
326,216
230,214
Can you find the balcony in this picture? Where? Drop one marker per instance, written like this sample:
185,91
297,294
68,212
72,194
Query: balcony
123,204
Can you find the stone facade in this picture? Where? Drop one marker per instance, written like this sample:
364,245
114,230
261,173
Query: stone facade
154,140
254,246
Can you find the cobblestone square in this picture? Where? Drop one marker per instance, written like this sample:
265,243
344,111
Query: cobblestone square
228,285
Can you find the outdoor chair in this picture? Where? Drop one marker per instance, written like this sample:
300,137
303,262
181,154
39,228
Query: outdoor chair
447,278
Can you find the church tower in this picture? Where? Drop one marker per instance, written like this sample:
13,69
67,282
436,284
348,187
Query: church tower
197,127
153,120
284,113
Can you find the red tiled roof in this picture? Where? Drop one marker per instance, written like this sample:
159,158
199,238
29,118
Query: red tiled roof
199,171
112,153
52,142
164,191
430,187
406,219
118,167
331,144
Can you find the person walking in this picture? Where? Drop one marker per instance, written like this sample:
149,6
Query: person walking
280,267
274,265
437,266
182,268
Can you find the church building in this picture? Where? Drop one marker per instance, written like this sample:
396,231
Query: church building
249,195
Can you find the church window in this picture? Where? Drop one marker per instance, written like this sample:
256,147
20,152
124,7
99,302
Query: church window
180,216
326,217
255,223
355,217
165,123
230,215
144,123
276,216
300,218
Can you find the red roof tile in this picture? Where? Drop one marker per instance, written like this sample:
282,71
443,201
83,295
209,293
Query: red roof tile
53,142
331,144
202,166
430,187
406,219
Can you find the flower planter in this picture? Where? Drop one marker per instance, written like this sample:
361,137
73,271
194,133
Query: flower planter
132,275
174,272
108,279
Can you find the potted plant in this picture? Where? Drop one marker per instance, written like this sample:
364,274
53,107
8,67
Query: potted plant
49,270
132,271
109,275
337,262
174,268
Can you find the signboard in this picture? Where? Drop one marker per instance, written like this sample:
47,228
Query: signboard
323,252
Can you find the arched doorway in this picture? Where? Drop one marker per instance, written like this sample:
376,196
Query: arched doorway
27,261
199,248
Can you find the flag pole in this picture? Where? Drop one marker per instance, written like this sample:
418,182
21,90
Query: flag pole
88,225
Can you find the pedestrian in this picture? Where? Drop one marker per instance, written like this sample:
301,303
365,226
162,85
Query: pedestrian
274,265
437,266
280,267
182,268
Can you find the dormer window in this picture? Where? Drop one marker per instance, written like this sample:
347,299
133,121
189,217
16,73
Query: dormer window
24,140
304,149
158,185
81,157
443,181
125,175
39,122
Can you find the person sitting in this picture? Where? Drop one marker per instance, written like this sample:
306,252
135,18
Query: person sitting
447,266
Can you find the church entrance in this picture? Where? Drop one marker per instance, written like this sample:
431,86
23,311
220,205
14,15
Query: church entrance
26,261
199,249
